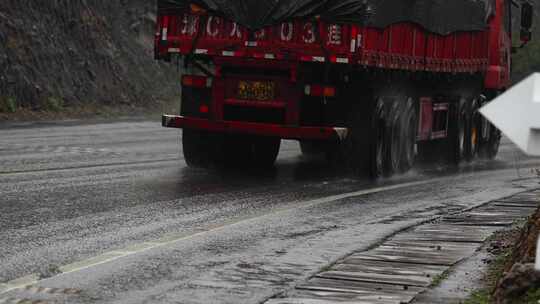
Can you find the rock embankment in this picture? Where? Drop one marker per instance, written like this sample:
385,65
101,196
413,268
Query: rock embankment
61,53
520,276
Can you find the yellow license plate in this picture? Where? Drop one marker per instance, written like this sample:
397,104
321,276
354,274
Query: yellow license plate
256,90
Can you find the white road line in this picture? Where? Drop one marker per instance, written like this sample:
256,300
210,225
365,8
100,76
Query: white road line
21,301
170,239
179,237
49,290
19,283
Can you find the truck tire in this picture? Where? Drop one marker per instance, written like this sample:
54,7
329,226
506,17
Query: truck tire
471,134
489,135
409,133
378,139
457,130
244,151
394,139
490,140
198,148
362,152
310,148
235,151
264,151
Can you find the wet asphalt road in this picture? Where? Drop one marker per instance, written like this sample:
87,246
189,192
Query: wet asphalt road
72,192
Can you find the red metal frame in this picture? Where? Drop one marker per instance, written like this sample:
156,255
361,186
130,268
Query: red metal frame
440,107
428,119
263,129
287,95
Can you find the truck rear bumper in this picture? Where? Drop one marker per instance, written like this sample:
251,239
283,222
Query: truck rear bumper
281,131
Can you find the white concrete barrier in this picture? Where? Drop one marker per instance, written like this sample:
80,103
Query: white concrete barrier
515,113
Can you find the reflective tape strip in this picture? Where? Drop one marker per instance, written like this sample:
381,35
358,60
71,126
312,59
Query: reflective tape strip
164,33
312,58
174,50
307,90
201,51
342,133
440,107
269,56
342,60
228,53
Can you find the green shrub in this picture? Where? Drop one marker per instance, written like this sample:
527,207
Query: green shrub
8,105
526,61
54,104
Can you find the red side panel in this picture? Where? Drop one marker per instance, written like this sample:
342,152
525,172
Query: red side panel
408,36
463,50
498,70
420,42
399,46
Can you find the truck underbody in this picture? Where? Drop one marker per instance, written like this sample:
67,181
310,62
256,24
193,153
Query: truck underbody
376,122
376,101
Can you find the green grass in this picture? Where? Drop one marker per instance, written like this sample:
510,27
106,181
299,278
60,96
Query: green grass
8,105
440,278
526,60
532,297
54,104
478,297
495,272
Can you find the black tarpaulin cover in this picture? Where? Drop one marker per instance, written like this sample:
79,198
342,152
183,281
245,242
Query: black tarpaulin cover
439,16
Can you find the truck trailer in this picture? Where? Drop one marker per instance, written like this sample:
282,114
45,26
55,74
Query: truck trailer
374,84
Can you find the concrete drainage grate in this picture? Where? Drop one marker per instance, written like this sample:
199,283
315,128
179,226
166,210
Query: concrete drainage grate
405,265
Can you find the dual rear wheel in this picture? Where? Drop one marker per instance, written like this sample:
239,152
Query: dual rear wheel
462,139
389,138
392,136
400,129
489,137
471,135
204,149
489,140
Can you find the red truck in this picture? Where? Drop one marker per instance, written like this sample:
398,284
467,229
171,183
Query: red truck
372,83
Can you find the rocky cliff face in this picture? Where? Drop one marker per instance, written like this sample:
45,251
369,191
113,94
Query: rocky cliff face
56,53
519,276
